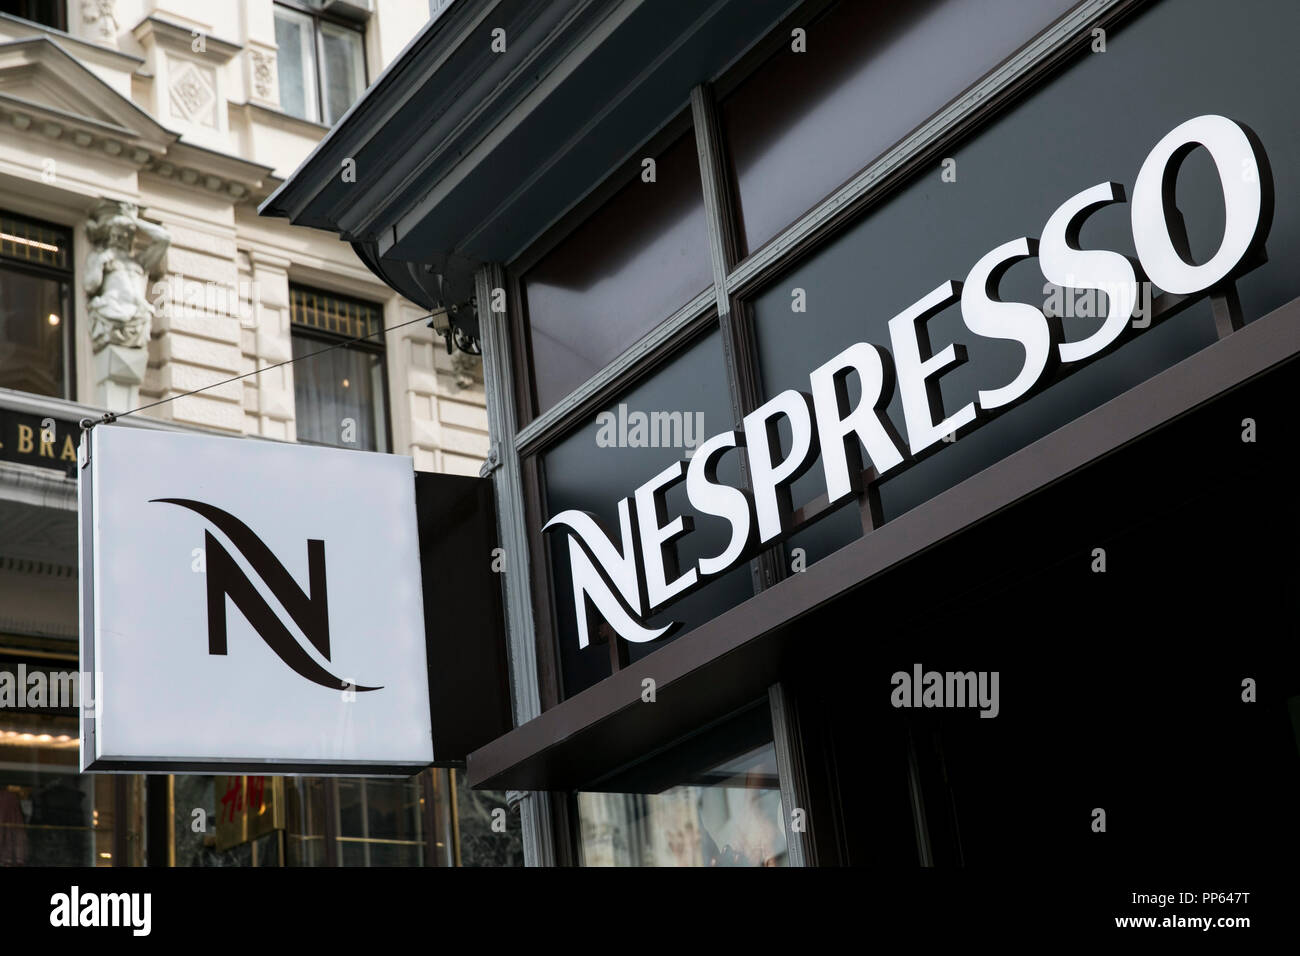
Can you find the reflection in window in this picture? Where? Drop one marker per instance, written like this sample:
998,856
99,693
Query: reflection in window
638,259
50,814
606,459
380,822
430,819
338,392
714,801
804,123
35,307
320,63
1027,161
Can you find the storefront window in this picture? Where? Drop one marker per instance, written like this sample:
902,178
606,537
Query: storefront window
868,74
715,800
51,815
641,257
429,819
35,307
380,822
1094,122
646,429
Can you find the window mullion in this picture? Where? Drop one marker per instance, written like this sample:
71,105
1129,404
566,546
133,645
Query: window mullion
740,351
319,41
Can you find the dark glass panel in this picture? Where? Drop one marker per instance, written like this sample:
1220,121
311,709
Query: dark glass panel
338,395
1095,121
804,123
33,319
638,259
586,472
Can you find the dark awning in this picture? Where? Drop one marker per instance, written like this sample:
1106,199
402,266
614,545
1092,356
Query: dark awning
464,155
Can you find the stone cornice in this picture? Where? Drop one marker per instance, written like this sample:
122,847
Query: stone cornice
18,27
179,38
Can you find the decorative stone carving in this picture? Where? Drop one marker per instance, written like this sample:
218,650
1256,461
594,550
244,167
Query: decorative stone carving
263,70
101,17
116,281
192,93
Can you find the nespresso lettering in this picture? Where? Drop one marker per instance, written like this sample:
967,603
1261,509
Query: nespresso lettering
628,580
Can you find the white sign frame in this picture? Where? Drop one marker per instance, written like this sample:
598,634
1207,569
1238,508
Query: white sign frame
186,540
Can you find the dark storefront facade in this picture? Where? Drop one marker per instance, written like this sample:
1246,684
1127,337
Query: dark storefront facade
658,220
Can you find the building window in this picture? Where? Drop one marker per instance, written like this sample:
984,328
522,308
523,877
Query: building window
322,64
712,800
338,373
48,13
35,307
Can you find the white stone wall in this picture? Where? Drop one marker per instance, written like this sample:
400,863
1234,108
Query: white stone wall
209,147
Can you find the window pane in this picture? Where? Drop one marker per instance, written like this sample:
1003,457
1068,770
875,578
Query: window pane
296,63
609,457
338,396
1012,176
714,800
343,69
380,822
50,815
873,71
32,331
641,257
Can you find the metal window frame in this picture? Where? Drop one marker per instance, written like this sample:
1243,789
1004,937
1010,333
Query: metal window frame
735,279
318,16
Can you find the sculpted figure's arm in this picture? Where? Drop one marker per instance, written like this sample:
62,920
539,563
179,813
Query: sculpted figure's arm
94,276
156,246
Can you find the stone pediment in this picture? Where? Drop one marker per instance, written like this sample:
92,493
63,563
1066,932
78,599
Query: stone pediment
46,92
41,84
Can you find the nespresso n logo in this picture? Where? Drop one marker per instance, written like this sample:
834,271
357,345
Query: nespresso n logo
308,609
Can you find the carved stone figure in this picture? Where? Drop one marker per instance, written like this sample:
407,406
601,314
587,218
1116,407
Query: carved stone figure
116,282
101,17
117,276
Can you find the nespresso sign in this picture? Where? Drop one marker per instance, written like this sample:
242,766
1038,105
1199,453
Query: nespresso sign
628,577
250,606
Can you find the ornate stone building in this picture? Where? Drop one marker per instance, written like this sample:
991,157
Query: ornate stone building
139,137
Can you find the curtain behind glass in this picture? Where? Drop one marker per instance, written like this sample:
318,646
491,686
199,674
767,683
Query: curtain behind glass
344,76
338,396
296,63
